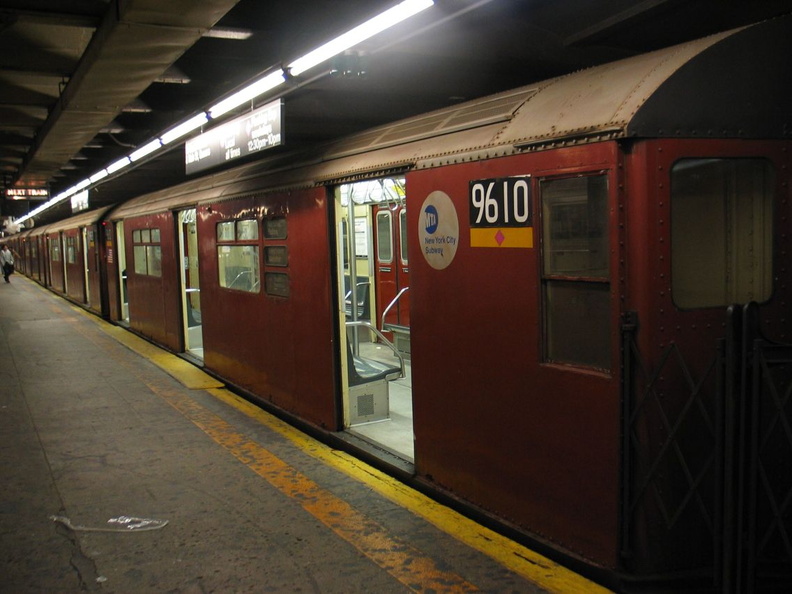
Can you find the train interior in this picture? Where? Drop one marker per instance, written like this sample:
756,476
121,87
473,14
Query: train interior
373,289
122,271
191,287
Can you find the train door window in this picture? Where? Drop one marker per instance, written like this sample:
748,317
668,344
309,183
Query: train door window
576,271
71,250
238,255
147,252
721,232
54,250
403,236
384,237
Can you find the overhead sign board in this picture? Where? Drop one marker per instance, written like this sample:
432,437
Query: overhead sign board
259,130
27,193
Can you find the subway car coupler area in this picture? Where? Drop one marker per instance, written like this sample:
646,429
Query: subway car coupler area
127,469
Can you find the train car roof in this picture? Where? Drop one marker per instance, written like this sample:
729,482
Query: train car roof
711,87
81,220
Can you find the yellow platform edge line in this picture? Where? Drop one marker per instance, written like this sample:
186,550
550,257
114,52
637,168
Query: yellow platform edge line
517,558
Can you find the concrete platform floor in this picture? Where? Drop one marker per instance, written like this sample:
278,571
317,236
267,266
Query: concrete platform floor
96,424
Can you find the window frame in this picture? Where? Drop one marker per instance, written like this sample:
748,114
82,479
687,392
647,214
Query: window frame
146,252
770,208
246,243
555,279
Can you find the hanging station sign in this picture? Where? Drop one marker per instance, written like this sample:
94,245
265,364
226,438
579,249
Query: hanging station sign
259,130
27,193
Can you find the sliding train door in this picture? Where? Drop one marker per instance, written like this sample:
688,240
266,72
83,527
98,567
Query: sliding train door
373,280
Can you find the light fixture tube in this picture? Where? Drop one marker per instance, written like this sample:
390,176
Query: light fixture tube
351,38
184,128
248,93
118,165
98,175
146,149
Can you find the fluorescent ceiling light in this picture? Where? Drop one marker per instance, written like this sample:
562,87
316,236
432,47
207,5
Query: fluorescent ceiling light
98,175
76,188
120,164
185,128
248,93
351,38
146,149
228,33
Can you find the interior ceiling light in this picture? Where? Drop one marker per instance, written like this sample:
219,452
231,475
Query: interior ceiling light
184,128
146,149
228,33
248,93
379,23
118,165
353,37
98,175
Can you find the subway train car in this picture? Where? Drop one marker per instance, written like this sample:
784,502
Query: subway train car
565,308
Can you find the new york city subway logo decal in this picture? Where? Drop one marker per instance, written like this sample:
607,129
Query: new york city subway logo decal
501,213
438,230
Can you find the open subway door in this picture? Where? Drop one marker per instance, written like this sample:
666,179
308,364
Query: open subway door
372,272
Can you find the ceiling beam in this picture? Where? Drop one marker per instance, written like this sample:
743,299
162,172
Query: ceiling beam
619,21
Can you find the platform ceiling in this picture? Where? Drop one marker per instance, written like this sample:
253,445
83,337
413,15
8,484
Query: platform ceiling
85,82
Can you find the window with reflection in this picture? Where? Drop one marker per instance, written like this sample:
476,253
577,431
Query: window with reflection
71,250
576,271
55,250
147,252
721,232
403,241
384,237
238,255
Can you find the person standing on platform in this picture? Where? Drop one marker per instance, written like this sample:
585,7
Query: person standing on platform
7,262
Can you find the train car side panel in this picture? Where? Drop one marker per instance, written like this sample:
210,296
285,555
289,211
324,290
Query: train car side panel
55,278
691,258
153,284
536,442
266,300
74,264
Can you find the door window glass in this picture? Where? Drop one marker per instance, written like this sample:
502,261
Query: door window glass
721,232
576,271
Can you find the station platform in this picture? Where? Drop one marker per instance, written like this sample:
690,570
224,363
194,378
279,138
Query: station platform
126,469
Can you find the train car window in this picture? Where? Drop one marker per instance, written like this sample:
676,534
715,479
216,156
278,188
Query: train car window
247,230
141,264
225,231
146,252
403,235
275,228
71,250
384,237
721,232
238,255
55,251
154,260
576,271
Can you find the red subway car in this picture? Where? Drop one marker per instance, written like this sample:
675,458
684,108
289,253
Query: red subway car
564,307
